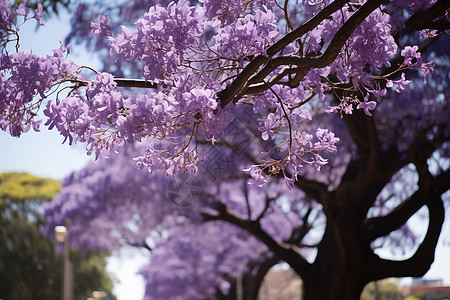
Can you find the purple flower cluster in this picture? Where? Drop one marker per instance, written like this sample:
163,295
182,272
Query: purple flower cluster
193,53
161,39
69,117
302,150
25,76
157,118
24,12
413,60
104,119
249,35
5,14
401,83
367,50
222,11
101,27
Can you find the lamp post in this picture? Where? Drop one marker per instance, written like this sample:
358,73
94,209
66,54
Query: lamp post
62,236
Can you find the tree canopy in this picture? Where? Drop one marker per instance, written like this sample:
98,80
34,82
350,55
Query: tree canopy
307,132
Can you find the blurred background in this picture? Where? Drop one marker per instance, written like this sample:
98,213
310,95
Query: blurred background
31,168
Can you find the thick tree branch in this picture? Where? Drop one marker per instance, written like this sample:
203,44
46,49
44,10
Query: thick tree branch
314,189
124,82
442,182
426,19
381,226
283,251
305,64
228,94
422,259
299,232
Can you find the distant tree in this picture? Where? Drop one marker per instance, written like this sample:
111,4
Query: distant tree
386,289
29,267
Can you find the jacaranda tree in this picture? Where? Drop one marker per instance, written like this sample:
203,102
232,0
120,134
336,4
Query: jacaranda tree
307,132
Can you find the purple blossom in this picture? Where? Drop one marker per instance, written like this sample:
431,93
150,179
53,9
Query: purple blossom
427,69
366,105
39,14
160,39
401,83
103,83
101,27
259,178
29,76
301,114
378,93
223,11
106,107
318,161
410,53
296,165
247,36
370,46
5,13
70,117
23,10
268,126
346,106
303,140
203,100
327,140
289,181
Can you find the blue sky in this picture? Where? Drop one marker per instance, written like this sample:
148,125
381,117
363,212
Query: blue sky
43,154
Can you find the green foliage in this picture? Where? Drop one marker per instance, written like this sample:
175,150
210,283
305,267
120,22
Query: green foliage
89,273
387,289
23,187
29,267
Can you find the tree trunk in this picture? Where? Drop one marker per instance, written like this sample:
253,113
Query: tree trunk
339,271
343,286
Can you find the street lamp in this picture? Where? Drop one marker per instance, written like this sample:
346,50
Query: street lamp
62,236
